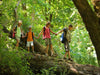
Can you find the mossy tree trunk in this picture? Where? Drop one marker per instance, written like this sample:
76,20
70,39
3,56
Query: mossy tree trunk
91,22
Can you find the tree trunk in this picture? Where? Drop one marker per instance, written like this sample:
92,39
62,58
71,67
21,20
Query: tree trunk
46,15
91,22
38,47
15,12
24,9
96,4
46,64
50,18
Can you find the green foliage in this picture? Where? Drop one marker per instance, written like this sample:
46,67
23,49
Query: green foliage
82,48
63,13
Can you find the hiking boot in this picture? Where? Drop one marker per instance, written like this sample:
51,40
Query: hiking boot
70,59
65,58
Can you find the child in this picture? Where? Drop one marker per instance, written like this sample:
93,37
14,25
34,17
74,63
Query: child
30,35
67,40
46,36
17,32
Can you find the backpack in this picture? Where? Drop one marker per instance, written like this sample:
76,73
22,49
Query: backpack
13,34
44,30
32,35
16,28
63,37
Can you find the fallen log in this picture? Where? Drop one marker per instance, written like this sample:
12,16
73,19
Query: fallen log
40,62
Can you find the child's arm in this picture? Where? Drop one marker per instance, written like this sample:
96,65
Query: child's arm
24,36
14,30
53,32
35,36
60,31
40,34
21,30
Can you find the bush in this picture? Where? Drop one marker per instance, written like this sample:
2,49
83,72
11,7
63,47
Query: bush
12,61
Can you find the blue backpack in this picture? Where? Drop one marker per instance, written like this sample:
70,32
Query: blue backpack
62,38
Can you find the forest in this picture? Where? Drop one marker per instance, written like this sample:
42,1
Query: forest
34,15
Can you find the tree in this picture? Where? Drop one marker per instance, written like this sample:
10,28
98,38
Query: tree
15,12
91,22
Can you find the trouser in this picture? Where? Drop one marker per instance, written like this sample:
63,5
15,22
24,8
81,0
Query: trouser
66,46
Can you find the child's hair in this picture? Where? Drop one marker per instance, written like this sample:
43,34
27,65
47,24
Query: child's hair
20,21
30,27
70,25
47,23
